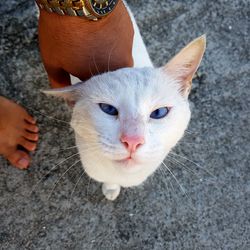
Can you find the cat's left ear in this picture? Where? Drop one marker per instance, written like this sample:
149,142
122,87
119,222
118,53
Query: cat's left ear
70,94
184,65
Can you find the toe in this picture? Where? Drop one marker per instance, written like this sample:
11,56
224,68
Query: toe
19,159
31,128
30,119
30,136
30,146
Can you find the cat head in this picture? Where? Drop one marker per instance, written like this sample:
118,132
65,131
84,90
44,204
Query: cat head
128,120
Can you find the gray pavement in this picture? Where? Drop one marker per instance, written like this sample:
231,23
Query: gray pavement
214,213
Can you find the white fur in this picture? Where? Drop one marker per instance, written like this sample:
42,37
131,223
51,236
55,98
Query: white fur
135,93
139,52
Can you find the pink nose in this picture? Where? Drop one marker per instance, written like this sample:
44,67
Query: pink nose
132,142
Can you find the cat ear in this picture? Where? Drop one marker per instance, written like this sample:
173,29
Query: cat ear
184,65
71,93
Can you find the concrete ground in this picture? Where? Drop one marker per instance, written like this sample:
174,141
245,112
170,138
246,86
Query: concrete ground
215,211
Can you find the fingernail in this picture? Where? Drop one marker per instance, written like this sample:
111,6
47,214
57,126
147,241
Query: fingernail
23,163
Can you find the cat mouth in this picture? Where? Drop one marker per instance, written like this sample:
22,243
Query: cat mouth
128,162
125,160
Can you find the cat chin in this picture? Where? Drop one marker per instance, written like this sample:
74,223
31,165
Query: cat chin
134,165
123,174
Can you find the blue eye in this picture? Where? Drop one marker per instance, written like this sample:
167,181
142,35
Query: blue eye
159,113
108,109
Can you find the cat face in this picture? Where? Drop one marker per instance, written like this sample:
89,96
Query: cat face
130,118
127,121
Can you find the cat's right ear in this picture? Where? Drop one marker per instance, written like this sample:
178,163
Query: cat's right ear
184,65
71,94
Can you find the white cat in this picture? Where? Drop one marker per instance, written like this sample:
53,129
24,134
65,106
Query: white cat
127,121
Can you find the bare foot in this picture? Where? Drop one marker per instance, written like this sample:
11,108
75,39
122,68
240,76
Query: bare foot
17,128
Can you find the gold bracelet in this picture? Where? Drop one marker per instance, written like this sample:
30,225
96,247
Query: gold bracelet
91,9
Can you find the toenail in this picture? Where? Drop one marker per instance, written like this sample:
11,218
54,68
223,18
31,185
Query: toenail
35,137
23,162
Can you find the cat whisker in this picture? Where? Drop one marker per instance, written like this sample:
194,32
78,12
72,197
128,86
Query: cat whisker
188,132
71,195
196,164
169,182
53,168
88,188
96,65
201,179
49,117
91,139
56,183
166,173
161,169
91,73
109,57
91,146
174,192
188,143
181,187
59,152
169,170
65,149
89,131
174,161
